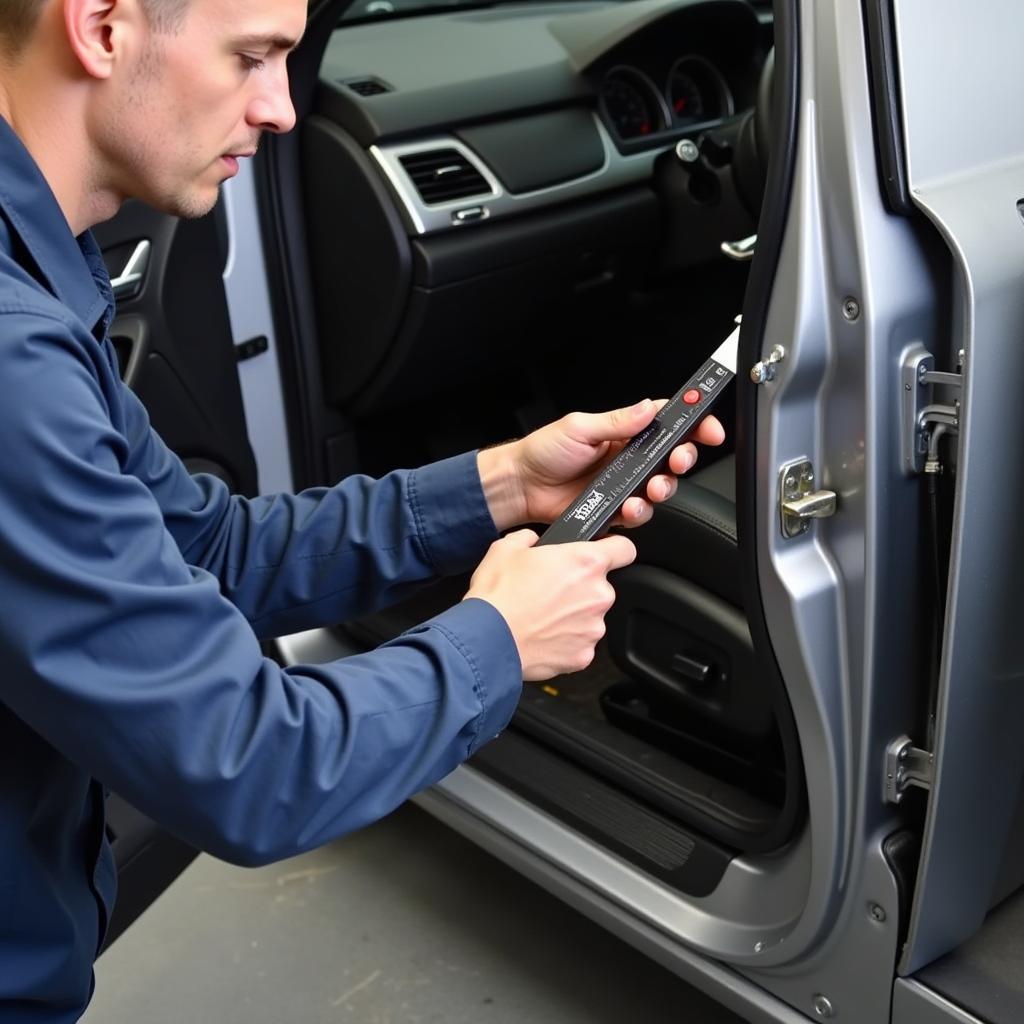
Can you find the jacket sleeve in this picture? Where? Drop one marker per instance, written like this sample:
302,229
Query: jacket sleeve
291,562
135,666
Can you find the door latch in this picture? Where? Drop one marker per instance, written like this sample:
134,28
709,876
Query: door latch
799,502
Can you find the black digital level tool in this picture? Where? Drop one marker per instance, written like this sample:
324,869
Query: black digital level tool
648,452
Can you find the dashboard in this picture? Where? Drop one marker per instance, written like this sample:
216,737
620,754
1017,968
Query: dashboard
505,102
493,161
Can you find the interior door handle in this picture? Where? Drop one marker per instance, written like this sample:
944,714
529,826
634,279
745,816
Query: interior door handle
128,283
740,251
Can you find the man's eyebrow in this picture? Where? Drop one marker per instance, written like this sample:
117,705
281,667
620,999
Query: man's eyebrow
270,41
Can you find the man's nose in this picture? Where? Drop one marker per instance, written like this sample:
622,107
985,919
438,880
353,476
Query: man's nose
272,109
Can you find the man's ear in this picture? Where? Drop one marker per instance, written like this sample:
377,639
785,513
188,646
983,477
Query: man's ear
100,31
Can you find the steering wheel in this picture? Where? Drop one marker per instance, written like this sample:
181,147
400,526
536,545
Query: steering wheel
753,146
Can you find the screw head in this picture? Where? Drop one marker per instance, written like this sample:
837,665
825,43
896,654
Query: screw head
687,151
822,1006
851,308
759,947
759,372
877,912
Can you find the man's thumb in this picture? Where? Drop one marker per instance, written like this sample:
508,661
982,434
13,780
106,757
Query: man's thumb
620,424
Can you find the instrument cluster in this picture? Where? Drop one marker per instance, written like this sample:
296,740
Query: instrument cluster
694,93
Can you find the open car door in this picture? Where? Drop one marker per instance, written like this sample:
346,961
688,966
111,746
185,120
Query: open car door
896,297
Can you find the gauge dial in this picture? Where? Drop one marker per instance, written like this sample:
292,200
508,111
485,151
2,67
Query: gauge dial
632,104
686,98
697,92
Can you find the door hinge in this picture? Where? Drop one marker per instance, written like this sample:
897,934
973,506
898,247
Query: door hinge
923,420
906,766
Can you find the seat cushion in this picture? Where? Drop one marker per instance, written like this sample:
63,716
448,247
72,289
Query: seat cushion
693,534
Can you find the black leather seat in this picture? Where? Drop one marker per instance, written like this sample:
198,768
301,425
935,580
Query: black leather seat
693,534
678,628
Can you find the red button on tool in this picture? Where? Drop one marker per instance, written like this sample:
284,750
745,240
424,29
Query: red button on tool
692,397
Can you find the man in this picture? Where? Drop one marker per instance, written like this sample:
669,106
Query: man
134,594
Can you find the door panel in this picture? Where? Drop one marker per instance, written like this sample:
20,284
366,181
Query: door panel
176,351
841,599
174,337
973,193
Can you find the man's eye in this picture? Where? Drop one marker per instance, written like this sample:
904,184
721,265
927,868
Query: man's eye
251,63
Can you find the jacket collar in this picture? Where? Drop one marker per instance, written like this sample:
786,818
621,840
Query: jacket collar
70,268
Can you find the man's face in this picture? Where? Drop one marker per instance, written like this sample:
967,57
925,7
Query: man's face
184,106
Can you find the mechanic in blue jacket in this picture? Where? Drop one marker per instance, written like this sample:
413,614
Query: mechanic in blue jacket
134,595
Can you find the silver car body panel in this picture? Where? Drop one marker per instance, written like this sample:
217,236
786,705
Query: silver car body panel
970,183
718,980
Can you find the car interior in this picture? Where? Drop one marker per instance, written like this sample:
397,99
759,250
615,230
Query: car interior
512,212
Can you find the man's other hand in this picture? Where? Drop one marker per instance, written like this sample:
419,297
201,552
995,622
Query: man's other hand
554,598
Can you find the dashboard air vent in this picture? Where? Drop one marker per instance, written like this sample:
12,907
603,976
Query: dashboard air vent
368,86
441,175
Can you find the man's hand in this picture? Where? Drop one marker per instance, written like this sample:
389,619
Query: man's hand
534,479
553,598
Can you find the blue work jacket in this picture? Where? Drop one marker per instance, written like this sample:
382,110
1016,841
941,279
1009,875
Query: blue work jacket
132,600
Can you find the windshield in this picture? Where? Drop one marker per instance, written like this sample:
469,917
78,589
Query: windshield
368,10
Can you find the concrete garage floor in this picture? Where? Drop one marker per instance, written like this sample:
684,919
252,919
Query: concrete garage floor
403,923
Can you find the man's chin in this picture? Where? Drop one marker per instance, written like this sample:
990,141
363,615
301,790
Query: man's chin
196,204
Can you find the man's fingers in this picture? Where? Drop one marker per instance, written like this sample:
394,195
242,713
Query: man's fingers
618,551
521,539
635,511
709,431
661,487
683,458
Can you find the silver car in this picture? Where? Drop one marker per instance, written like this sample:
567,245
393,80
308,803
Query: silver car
793,773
